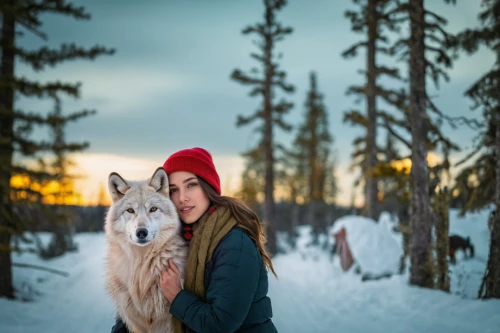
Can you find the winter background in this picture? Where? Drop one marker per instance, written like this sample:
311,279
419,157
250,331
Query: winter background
312,294
168,86
172,65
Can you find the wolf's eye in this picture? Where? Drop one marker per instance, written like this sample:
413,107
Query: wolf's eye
153,209
130,210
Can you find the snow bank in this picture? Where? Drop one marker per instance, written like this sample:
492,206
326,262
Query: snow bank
373,247
388,221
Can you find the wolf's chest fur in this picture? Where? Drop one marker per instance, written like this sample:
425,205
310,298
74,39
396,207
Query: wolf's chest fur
140,275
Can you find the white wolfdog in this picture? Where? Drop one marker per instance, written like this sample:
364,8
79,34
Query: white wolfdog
143,231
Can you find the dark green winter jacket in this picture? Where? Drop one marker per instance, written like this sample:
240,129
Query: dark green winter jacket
237,285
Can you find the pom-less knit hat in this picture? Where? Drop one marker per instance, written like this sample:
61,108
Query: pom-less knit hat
195,160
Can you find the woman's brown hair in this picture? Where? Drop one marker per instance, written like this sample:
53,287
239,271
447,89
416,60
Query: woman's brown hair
246,218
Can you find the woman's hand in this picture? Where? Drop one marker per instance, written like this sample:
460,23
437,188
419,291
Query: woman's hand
170,281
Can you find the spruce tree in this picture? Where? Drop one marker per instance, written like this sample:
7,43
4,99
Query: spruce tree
314,158
26,16
313,148
485,94
265,83
420,115
371,20
58,169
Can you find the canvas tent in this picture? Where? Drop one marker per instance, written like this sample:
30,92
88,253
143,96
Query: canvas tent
369,245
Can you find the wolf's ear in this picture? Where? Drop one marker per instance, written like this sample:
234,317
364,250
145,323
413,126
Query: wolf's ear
159,181
117,186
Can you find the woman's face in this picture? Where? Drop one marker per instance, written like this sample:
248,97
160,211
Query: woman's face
188,196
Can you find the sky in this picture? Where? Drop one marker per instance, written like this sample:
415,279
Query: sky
168,86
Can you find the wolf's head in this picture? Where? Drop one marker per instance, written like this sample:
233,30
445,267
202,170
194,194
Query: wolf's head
142,212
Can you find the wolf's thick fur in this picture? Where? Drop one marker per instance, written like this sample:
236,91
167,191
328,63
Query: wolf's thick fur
143,232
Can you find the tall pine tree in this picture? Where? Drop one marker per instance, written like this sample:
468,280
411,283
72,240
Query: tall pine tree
427,38
264,83
486,168
314,158
313,149
421,218
26,16
371,20
58,168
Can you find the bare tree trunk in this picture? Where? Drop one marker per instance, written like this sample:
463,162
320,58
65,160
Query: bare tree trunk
492,276
371,135
6,128
269,209
420,220
442,242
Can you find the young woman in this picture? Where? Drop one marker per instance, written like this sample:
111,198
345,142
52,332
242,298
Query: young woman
226,283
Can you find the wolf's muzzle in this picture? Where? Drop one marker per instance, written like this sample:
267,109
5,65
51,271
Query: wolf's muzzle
141,234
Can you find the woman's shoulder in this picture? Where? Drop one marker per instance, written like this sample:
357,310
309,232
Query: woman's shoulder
237,239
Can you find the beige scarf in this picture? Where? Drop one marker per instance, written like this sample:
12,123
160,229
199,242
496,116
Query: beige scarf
207,233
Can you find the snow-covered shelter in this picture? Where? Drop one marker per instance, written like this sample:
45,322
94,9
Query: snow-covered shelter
370,245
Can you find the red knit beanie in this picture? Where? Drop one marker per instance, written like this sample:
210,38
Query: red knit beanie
195,160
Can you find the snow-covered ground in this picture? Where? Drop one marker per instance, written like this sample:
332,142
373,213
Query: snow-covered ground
311,295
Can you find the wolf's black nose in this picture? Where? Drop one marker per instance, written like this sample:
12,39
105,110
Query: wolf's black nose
141,233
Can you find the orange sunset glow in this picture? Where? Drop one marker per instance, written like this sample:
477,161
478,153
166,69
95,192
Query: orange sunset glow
94,169
405,164
89,188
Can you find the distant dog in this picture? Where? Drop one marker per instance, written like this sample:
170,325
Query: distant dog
143,231
459,243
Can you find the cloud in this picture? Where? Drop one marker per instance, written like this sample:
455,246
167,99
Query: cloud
131,89
114,88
